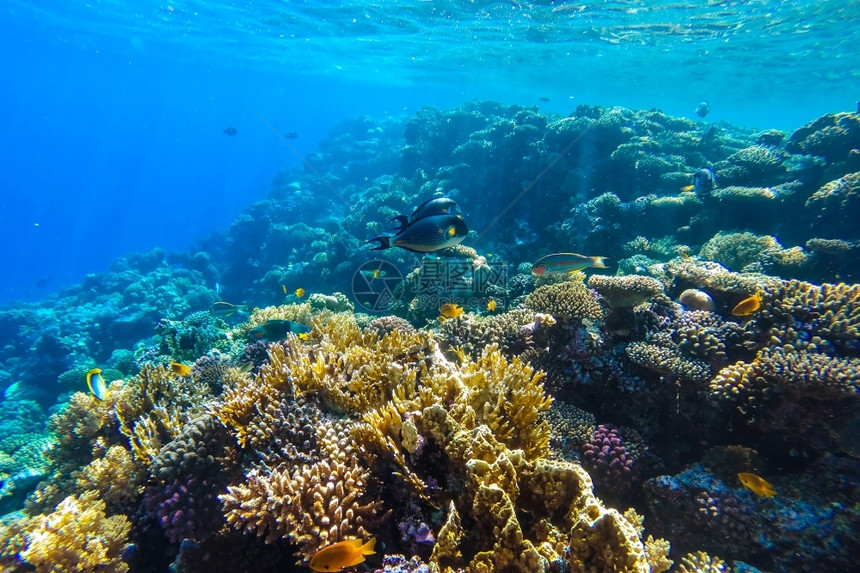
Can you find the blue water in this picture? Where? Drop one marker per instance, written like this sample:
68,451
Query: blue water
112,139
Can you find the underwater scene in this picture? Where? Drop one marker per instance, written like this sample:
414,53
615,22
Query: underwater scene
423,286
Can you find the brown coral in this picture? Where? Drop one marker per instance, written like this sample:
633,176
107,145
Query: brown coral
568,300
667,359
314,505
625,291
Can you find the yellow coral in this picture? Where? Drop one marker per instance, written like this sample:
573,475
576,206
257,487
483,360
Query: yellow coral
314,505
78,536
115,476
607,542
701,562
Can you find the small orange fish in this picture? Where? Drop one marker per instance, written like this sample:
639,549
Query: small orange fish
491,305
757,485
181,370
342,554
748,306
450,310
300,292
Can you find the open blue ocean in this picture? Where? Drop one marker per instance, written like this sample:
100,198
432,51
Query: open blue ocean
430,286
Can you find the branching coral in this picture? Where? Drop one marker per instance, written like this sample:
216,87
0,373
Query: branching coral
77,536
315,505
776,370
666,359
830,312
701,562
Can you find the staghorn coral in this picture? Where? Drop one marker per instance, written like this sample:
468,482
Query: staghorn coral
115,476
77,536
701,562
313,506
625,291
567,301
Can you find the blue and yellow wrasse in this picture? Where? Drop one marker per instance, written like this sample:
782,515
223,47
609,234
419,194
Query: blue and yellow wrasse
566,263
757,485
96,383
342,554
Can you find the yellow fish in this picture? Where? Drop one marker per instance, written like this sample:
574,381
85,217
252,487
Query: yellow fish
748,306
300,292
450,310
284,288
756,485
181,370
341,554
491,305
96,383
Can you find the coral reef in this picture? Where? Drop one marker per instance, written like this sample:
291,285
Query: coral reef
472,442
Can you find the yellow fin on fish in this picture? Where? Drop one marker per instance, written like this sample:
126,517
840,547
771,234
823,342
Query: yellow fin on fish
96,384
756,484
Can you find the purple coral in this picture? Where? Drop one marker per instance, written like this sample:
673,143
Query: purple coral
608,460
181,509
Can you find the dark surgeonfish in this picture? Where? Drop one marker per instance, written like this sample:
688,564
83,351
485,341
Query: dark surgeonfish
435,206
426,235
277,329
703,109
231,131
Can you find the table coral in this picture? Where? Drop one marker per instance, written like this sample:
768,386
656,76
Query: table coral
666,358
625,291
